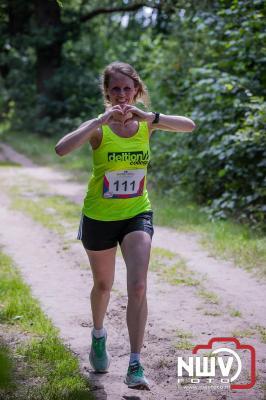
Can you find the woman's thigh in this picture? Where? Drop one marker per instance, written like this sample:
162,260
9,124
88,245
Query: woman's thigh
136,247
102,263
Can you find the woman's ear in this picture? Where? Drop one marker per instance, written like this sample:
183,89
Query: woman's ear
136,92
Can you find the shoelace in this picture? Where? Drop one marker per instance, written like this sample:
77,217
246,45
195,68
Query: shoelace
136,369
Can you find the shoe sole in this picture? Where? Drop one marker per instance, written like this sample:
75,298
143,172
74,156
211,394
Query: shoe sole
139,386
101,371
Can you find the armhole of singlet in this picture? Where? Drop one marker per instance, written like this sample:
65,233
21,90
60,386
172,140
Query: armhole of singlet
103,135
146,127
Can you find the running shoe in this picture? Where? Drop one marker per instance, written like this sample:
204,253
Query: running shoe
99,356
135,378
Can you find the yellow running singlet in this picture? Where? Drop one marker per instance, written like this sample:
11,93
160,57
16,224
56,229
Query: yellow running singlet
117,188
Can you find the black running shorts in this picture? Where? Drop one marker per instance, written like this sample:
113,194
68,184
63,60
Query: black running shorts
102,235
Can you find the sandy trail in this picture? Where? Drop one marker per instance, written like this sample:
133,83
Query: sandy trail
60,281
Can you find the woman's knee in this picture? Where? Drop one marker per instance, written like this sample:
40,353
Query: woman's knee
137,289
102,286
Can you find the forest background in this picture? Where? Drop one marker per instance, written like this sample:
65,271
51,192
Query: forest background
205,60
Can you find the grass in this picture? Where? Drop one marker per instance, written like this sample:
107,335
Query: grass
159,252
5,368
8,164
178,213
209,297
225,239
172,268
262,331
237,243
38,366
244,333
41,150
180,274
235,313
183,335
52,211
212,313
184,344
228,240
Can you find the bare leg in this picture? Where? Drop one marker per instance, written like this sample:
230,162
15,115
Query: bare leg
136,248
103,269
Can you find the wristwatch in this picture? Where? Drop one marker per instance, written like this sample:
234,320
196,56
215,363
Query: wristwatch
156,117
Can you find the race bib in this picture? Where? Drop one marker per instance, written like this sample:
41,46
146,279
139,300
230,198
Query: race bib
123,184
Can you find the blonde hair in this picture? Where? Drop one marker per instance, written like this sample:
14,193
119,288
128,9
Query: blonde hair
142,95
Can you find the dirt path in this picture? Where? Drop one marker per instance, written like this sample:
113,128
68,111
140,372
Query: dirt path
61,281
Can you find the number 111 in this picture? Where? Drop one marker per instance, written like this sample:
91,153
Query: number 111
125,184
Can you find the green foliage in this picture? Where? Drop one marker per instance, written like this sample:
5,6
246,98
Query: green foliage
5,367
205,60
38,365
223,162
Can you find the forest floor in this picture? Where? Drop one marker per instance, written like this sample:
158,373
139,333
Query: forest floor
192,296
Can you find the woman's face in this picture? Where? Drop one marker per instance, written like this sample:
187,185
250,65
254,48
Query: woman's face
121,90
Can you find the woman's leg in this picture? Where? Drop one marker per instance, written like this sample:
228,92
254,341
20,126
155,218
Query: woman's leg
103,269
103,266
136,248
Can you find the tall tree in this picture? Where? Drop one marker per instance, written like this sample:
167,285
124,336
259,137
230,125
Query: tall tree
52,33
49,43
40,24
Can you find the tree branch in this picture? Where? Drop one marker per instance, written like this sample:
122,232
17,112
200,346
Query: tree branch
105,10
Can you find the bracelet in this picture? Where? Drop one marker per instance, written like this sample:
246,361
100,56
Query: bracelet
156,117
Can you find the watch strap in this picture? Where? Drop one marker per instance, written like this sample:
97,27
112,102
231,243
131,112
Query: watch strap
156,117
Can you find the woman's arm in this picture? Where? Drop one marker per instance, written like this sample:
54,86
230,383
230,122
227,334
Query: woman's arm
173,123
77,138
85,132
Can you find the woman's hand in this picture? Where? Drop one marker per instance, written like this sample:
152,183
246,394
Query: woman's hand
138,114
125,115
115,112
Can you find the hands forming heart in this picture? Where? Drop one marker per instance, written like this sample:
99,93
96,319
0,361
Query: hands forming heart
125,114
122,115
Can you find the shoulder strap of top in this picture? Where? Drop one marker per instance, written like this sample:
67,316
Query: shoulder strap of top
106,130
144,130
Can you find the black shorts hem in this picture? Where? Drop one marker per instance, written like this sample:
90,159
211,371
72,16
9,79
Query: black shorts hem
102,235
95,248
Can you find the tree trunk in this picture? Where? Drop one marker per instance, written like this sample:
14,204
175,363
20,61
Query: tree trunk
19,13
48,46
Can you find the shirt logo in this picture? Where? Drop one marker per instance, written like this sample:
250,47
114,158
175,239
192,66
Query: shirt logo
133,157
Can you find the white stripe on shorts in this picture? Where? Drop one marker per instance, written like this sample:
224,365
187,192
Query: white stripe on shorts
80,227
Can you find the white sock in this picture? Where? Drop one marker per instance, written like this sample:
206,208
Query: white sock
134,357
99,332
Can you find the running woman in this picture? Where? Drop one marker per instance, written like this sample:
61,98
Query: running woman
117,208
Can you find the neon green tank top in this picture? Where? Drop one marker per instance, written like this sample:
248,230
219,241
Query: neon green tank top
117,188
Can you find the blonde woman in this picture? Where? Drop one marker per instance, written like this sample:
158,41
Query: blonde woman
116,208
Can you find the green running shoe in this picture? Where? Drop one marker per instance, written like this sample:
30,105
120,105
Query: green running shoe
99,356
135,378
